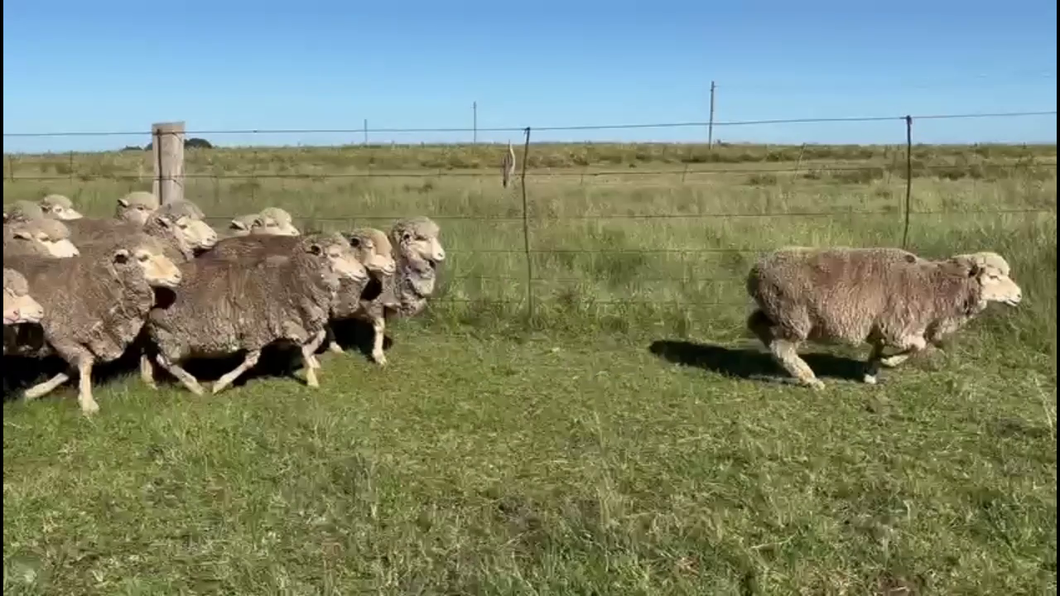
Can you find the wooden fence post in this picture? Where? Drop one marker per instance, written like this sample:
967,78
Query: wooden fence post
167,148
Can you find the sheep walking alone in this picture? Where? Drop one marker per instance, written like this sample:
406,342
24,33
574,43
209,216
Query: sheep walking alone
226,306
95,304
886,297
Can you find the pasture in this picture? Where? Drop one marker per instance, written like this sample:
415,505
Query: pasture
617,437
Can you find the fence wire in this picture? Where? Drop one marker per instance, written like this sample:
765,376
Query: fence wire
523,206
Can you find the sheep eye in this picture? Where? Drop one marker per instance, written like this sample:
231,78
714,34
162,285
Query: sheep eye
143,258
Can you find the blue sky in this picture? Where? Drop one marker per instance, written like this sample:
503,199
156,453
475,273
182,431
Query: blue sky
119,66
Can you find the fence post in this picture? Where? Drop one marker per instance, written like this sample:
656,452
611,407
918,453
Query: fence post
526,230
167,148
908,176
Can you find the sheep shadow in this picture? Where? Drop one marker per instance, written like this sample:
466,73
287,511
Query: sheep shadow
748,363
356,334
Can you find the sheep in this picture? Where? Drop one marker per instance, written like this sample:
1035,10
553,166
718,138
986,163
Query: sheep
882,296
418,252
375,252
19,306
136,207
228,305
946,326
95,304
43,237
179,224
59,207
21,211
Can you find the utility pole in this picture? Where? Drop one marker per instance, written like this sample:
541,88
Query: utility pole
365,131
474,122
710,125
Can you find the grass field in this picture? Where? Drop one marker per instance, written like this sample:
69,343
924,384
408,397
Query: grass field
619,439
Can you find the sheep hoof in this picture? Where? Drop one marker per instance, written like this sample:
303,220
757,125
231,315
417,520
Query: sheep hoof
869,379
196,389
815,384
335,348
379,358
89,408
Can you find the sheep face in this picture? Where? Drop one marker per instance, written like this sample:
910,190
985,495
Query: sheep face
341,260
19,306
998,287
196,234
158,270
373,249
240,226
136,207
48,237
273,221
418,239
59,207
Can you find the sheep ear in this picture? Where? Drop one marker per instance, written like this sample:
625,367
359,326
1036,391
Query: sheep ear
257,223
164,222
314,249
406,237
123,203
974,270
235,224
121,256
22,235
355,242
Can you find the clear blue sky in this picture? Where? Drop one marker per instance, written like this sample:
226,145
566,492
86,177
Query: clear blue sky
119,66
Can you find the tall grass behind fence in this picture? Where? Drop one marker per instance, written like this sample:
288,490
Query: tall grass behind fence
612,234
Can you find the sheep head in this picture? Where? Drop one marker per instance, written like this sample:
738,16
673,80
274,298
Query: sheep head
147,254
990,271
19,306
186,222
59,207
136,207
46,237
373,249
417,239
273,221
338,256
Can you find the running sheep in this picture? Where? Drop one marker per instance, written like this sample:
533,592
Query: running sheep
226,306
882,296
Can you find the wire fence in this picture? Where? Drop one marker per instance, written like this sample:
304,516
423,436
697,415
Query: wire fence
594,224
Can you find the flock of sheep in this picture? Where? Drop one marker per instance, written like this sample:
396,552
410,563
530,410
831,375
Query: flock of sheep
157,279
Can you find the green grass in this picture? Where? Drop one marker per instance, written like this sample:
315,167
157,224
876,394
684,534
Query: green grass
619,440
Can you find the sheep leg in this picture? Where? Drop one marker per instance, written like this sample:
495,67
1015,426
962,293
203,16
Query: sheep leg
379,332
786,353
872,366
314,345
46,387
907,348
147,372
248,362
84,389
182,375
310,369
333,345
